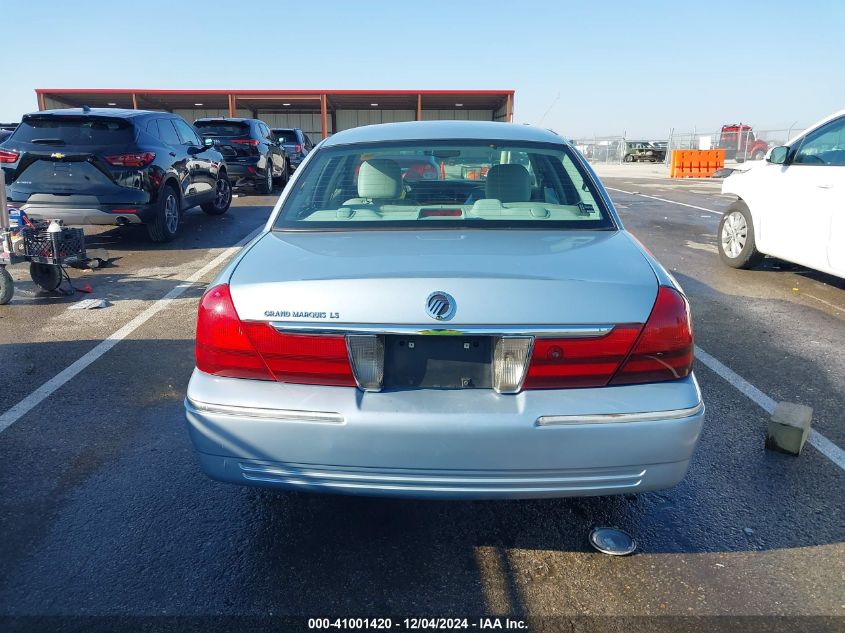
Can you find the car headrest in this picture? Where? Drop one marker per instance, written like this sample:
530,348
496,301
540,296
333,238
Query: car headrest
379,178
508,183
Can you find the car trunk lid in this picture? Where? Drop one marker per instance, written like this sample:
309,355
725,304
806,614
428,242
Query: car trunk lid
500,278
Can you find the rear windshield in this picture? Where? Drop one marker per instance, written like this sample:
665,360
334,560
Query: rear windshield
222,128
285,136
71,130
444,184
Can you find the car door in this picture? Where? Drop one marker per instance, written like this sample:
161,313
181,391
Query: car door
274,154
200,162
822,155
179,157
807,198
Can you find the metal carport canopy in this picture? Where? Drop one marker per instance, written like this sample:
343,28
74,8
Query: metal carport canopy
495,105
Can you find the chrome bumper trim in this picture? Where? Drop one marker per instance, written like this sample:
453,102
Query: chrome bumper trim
618,418
537,331
288,415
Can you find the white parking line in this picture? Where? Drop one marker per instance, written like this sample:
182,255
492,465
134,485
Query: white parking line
683,204
815,439
44,391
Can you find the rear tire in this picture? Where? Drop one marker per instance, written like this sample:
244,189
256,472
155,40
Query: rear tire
282,180
46,276
629,158
7,286
265,187
222,197
735,240
165,226
758,155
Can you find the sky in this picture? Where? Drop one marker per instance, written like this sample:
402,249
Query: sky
592,67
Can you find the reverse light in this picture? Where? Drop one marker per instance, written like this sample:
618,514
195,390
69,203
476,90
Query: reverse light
366,353
139,159
510,357
664,350
8,156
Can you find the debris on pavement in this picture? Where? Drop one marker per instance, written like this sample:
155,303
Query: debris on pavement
612,541
789,427
90,304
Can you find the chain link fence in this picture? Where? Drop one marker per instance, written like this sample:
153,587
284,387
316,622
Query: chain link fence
740,141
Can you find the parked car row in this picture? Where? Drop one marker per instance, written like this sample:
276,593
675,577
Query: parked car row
112,166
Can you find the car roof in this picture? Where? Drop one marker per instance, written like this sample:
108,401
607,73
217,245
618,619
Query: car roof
226,119
113,112
444,130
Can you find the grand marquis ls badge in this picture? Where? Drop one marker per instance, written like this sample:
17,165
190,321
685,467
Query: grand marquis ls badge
440,306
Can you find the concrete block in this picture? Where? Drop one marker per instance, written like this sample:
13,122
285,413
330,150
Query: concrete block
789,427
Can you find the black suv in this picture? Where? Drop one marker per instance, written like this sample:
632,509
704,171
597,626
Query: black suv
111,166
296,144
253,156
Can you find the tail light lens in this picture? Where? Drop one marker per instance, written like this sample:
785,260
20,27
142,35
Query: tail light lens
246,141
8,156
664,350
223,348
297,148
227,346
579,362
140,159
302,358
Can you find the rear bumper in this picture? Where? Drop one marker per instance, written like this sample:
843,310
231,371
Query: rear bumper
80,215
445,444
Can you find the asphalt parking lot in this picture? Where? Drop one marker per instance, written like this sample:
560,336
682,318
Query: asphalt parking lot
105,512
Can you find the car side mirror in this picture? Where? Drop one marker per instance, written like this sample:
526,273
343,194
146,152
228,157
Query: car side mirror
778,155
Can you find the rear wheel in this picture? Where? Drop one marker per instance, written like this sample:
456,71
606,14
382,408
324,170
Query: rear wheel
46,276
222,197
736,238
758,155
629,158
165,226
266,185
283,178
7,286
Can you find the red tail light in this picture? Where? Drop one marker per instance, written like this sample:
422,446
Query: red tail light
140,159
589,362
297,148
246,141
227,346
299,358
223,348
664,350
8,156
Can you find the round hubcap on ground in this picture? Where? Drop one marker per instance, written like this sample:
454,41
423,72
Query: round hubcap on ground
221,198
612,541
734,234
171,214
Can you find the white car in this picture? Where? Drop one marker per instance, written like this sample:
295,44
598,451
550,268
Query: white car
792,206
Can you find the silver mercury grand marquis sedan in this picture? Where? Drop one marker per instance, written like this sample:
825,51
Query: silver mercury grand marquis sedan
487,331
